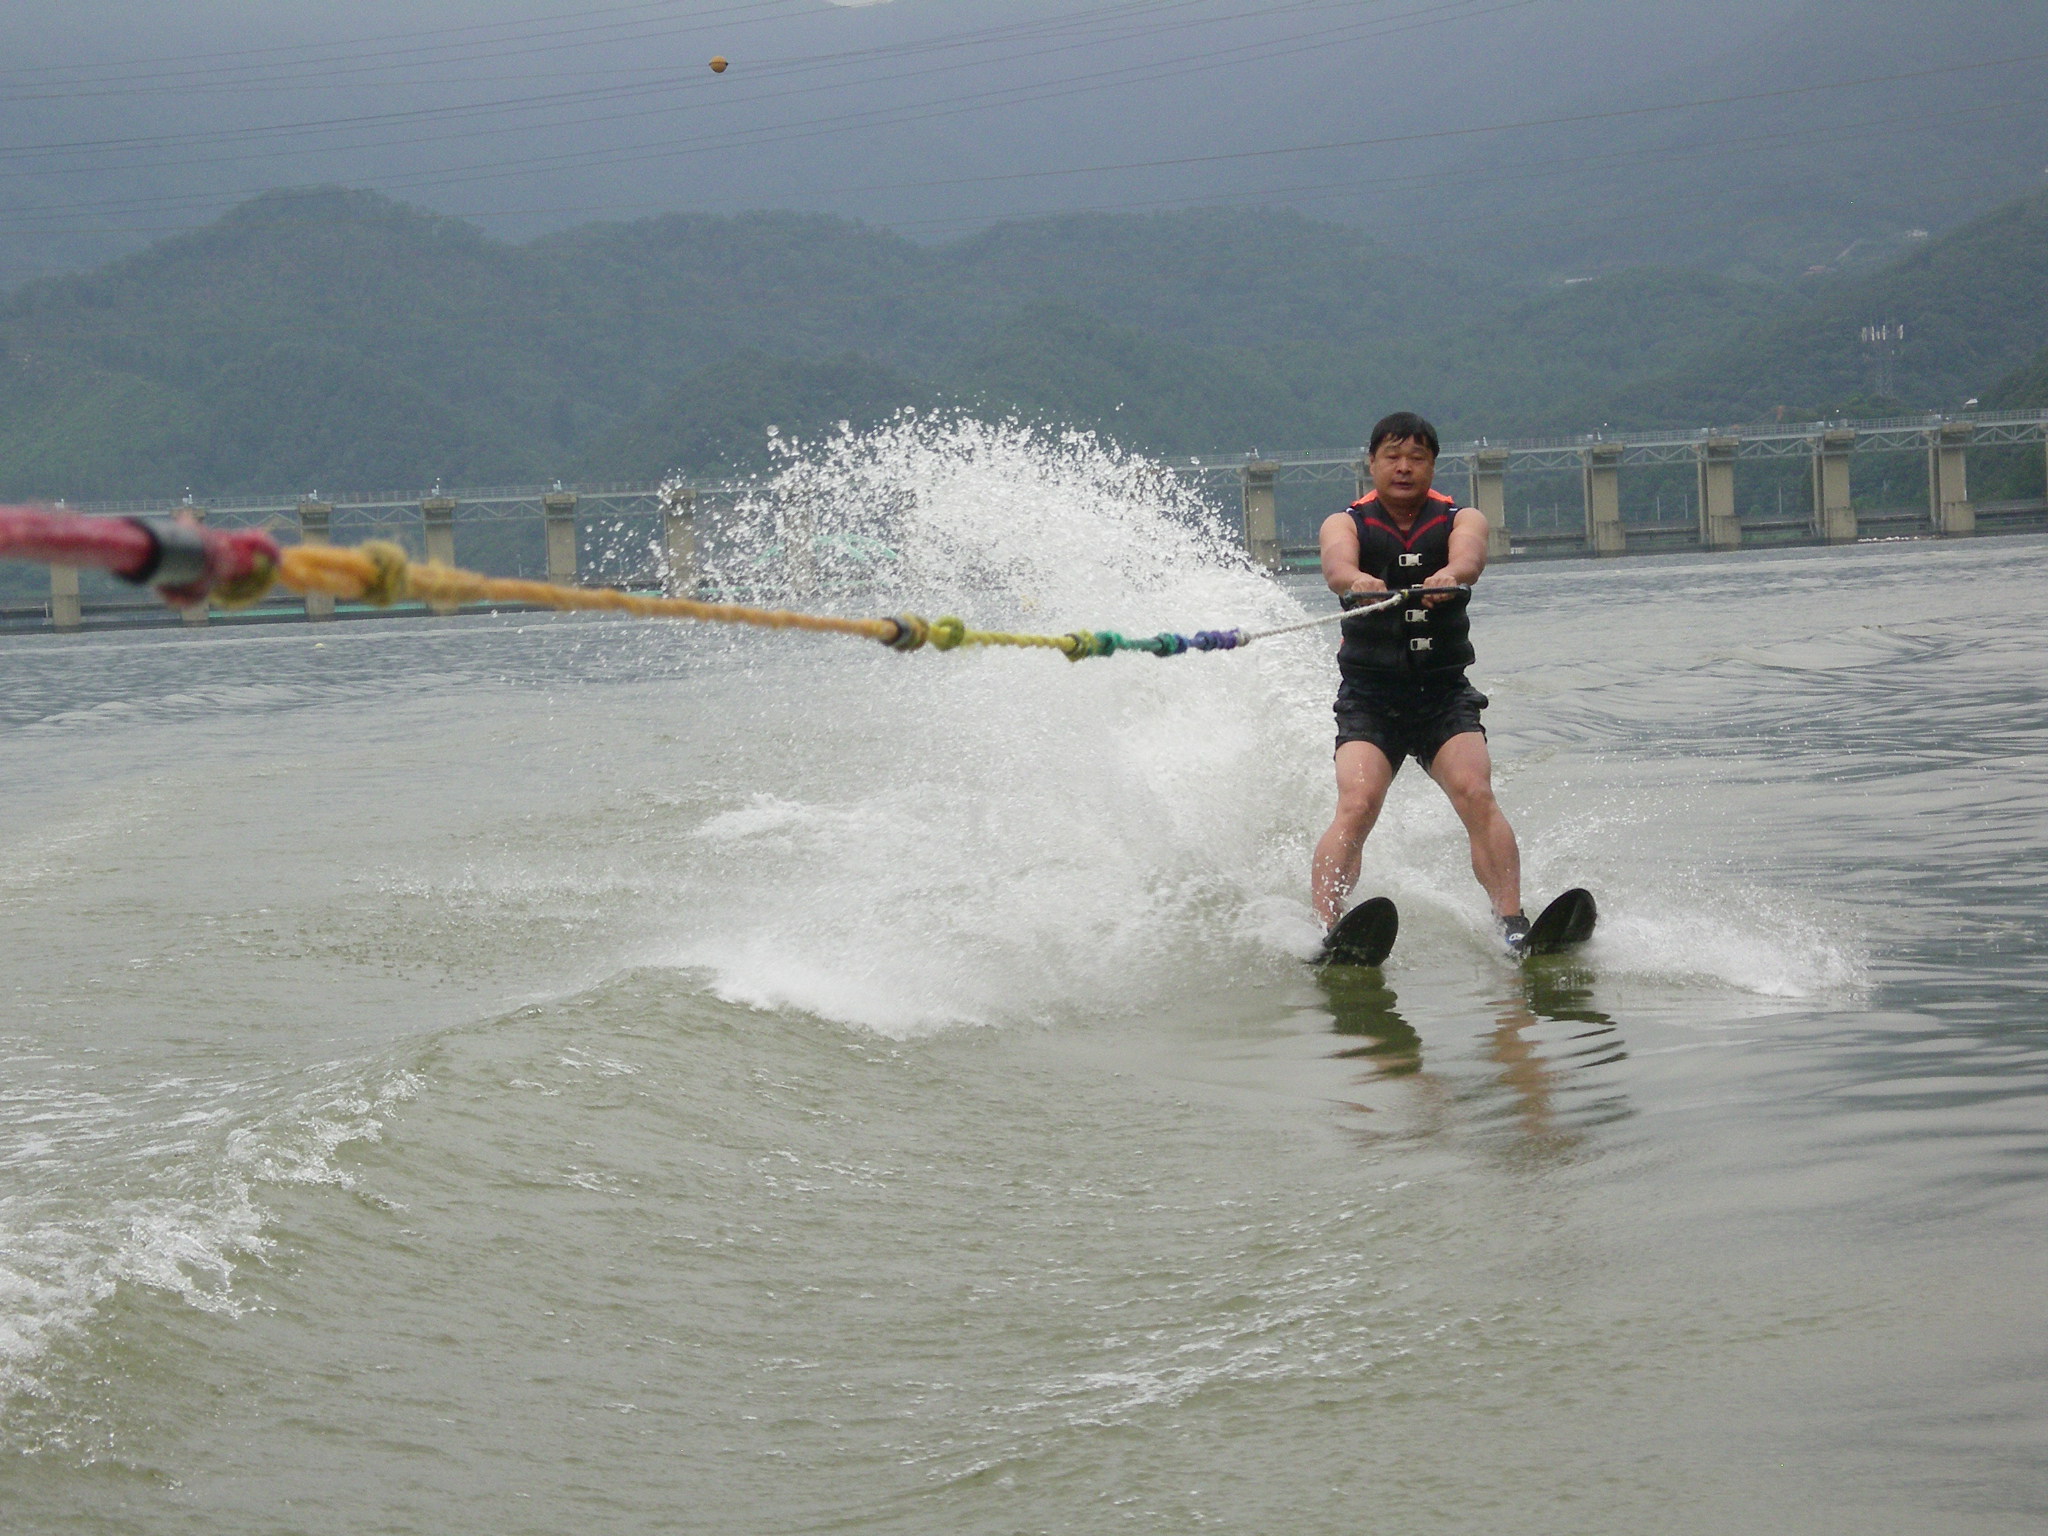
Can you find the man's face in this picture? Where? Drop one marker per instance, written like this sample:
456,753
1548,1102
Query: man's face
1402,469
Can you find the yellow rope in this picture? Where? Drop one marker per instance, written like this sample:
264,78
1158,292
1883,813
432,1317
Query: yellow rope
382,574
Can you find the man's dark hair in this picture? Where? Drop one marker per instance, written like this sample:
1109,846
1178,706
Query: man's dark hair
1404,426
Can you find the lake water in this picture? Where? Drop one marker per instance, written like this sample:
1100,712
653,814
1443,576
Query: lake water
519,1075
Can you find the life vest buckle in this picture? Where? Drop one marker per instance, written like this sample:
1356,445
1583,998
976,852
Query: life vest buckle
1419,643
1408,559
1416,615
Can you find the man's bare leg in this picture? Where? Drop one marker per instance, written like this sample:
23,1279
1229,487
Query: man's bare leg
1363,774
1464,768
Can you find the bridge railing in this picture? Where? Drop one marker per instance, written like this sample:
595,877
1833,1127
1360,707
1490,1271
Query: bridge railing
1696,469
664,536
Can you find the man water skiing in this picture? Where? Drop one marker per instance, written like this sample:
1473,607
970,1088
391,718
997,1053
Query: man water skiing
1404,692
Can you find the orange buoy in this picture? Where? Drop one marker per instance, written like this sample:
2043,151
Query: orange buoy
718,65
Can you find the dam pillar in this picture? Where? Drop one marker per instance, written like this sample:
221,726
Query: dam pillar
437,520
196,614
1834,514
1262,515
679,541
316,521
1948,483
1600,475
558,514
1719,528
1490,496
66,611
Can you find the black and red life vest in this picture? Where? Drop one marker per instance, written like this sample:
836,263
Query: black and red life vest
1409,639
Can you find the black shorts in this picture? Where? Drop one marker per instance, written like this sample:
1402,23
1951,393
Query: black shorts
1405,718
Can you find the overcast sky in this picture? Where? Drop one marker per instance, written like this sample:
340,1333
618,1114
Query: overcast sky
120,122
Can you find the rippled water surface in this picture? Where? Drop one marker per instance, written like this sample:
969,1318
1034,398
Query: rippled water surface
507,1075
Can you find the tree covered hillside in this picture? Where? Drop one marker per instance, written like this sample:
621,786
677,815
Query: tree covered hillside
2026,385
1974,305
333,340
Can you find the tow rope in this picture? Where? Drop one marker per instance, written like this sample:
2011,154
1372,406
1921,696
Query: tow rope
190,565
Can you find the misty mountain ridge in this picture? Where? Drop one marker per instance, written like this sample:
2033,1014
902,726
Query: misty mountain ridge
338,340
1974,305
1785,164
1749,138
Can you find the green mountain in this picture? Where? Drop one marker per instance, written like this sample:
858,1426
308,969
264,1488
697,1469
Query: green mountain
1064,365
333,340
2001,474
2026,385
1223,277
1974,305
1551,363
719,418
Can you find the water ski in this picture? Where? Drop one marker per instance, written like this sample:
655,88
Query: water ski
1363,936
1565,924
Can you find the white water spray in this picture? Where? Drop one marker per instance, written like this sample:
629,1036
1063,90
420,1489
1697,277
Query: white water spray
982,838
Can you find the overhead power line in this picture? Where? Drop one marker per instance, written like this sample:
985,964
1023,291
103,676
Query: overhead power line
589,159
153,68
1351,187
661,79
1139,12
1473,131
760,66
1068,85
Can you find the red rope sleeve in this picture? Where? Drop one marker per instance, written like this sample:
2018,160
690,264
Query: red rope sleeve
64,538
236,564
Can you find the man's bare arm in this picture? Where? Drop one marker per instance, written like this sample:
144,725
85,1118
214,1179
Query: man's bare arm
1468,551
1339,540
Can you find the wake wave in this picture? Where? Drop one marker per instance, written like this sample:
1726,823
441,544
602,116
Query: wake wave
173,1208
